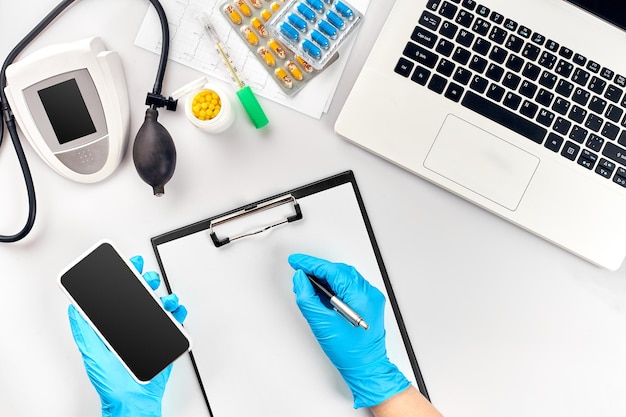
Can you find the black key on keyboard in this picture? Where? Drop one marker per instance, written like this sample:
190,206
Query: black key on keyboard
433,5
528,89
511,81
605,168
579,59
448,29
531,52
404,67
512,101
570,150
437,84
465,38
496,17
498,54
421,55
615,153
593,66
504,117
444,47
454,92
610,130
620,177
561,126
494,72
614,113
622,138
597,104
552,46
538,38
545,117
510,24
461,55
429,20
547,60
613,93
420,75
566,52
448,10
579,134
620,80
544,97
561,105
581,96
547,79
564,68
445,67
597,85
424,37
461,75
464,18
554,142
481,26
498,35
495,92
580,77
577,114
514,43
594,142
531,71
529,109
482,11
469,4
514,63
524,32
593,122
481,46
564,88
479,84
478,64
587,159
607,73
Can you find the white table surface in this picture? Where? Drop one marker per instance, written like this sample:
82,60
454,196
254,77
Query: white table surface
502,322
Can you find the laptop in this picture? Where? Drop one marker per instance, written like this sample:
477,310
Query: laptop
517,106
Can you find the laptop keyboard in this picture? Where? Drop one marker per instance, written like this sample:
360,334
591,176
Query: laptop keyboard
520,79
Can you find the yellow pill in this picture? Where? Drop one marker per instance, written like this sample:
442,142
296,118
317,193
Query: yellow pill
243,7
206,105
277,48
305,65
233,14
256,3
275,6
294,70
282,75
267,56
259,26
250,36
266,14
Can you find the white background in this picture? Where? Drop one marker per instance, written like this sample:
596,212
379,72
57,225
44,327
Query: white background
502,322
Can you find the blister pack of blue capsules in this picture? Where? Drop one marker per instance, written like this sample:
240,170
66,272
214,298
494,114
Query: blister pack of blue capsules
249,18
315,28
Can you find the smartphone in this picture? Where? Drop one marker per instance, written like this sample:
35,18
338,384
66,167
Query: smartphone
124,311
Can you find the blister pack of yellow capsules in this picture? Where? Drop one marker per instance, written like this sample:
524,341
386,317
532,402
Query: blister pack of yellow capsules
248,18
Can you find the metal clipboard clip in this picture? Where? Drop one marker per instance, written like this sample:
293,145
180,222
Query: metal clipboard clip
248,211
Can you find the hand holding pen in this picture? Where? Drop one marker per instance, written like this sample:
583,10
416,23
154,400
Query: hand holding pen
359,355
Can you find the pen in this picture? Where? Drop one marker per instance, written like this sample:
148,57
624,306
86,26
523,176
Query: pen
342,308
244,92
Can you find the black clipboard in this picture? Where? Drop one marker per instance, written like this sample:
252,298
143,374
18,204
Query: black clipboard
211,230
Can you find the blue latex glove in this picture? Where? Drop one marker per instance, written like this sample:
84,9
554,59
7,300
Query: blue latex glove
359,355
119,393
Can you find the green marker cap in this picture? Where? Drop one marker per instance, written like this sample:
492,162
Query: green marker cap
252,107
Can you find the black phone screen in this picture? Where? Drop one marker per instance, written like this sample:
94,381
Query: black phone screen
128,317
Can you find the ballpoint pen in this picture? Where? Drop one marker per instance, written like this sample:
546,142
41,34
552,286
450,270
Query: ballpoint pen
244,92
342,308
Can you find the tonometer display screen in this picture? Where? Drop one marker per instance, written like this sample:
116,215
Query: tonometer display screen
67,111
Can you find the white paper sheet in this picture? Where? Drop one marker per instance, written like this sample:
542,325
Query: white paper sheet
254,350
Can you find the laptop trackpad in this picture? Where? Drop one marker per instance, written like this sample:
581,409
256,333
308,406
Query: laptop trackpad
481,162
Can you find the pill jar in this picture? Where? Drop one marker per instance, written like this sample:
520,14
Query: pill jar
207,106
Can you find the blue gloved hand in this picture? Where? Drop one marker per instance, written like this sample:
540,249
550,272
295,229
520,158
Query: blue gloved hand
359,355
119,393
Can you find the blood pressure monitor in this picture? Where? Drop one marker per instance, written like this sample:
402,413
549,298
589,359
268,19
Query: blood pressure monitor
71,102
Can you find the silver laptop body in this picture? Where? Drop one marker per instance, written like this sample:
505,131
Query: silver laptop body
516,106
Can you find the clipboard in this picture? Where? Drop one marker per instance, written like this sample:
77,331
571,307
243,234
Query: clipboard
254,353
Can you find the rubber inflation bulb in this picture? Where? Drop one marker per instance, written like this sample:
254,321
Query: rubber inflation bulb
154,153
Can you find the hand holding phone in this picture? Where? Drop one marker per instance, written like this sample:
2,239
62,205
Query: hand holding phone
122,392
